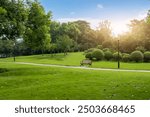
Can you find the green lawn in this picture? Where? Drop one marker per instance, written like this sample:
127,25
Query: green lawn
74,60
36,82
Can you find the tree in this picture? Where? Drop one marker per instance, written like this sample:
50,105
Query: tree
103,32
64,43
13,17
6,47
54,31
37,34
86,37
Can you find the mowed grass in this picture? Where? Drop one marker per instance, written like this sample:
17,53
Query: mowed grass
73,59
37,82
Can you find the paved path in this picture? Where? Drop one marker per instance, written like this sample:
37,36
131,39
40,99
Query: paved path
86,68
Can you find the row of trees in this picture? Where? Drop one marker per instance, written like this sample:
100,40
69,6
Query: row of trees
25,28
24,23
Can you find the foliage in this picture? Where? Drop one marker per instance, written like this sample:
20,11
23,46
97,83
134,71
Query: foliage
137,56
27,20
64,43
106,49
37,34
141,48
108,55
6,47
116,57
107,44
13,17
126,57
147,56
100,47
89,55
90,50
98,54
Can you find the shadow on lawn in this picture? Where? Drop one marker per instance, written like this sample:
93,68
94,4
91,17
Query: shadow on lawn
28,72
2,70
58,57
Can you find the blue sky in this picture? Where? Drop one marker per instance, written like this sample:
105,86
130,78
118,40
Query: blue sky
119,12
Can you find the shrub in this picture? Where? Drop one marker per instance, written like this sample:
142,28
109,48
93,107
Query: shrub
115,56
108,55
89,55
106,49
89,50
137,56
98,54
126,57
147,56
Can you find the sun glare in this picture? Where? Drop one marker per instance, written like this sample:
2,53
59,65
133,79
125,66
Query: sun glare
119,28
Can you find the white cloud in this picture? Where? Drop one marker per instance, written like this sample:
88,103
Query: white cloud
100,6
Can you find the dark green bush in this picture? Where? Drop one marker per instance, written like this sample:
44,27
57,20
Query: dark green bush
137,56
89,55
147,56
126,57
108,55
115,56
98,54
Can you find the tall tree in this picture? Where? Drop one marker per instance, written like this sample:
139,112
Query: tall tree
64,43
13,15
103,32
37,34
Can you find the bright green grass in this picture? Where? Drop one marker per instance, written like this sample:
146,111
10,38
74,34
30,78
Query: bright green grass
36,82
74,60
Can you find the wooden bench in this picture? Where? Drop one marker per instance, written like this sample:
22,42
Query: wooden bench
86,62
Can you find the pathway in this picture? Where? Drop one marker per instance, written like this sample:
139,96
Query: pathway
86,68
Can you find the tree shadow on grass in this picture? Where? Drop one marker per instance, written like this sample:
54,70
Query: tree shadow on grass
58,57
2,70
27,72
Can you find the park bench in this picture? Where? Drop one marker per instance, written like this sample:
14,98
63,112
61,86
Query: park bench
86,62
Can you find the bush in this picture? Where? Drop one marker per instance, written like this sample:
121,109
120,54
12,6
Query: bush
108,55
147,56
98,54
89,55
89,50
106,49
126,57
115,56
137,56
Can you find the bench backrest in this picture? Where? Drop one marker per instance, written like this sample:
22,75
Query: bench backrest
86,61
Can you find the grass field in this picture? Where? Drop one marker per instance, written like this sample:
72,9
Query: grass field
74,59
39,82
36,82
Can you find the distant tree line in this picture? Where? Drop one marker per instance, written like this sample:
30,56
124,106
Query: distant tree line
25,29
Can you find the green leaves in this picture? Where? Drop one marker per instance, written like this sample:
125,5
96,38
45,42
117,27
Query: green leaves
37,34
